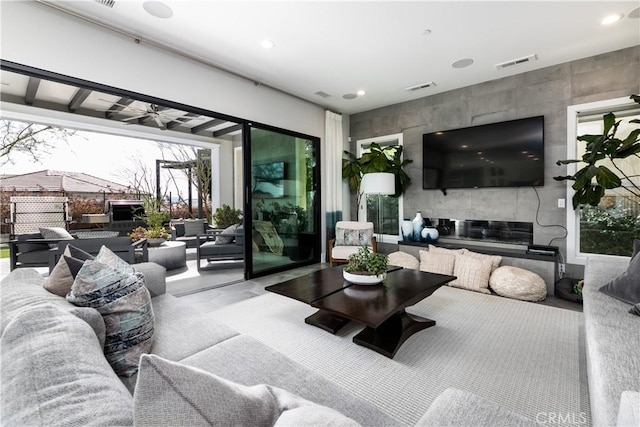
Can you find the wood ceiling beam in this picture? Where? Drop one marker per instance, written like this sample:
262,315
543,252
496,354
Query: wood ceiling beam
32,89
206,125
77,100
225,131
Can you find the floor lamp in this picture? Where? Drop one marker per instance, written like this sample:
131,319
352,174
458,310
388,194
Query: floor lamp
382,184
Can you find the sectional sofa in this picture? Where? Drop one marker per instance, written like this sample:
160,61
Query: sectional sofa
54,371
201,371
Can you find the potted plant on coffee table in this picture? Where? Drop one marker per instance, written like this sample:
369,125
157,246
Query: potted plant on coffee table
366,267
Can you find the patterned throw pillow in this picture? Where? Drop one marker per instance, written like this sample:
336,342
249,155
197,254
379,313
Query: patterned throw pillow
108,257
125,305
353,237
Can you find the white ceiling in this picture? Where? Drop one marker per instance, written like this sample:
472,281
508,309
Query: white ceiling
381,47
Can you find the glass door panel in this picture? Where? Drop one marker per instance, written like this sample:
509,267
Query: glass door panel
283,185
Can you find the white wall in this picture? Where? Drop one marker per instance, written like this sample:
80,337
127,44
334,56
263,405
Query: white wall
39,36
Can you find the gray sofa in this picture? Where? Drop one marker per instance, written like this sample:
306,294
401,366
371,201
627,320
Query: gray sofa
612,337
54,371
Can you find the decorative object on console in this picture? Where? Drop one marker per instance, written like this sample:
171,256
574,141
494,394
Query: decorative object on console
430,234
407,230
418,225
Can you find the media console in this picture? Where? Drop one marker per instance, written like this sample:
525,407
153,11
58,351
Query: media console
545,265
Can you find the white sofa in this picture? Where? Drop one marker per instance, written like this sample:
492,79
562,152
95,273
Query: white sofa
612,337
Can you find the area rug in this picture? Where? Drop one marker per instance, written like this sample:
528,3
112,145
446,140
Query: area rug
527,357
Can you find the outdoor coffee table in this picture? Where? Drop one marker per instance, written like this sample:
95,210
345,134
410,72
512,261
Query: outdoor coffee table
380,307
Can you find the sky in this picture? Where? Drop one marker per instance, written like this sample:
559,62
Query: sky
104,156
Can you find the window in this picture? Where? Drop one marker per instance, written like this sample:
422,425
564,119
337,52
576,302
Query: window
609,228
384,211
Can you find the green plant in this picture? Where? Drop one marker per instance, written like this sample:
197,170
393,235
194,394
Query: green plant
286,217
377,159
592,180
154,216
366,262
225,216
149,233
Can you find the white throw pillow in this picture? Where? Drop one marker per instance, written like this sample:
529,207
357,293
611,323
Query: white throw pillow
472,274
437,262
495,260
403,259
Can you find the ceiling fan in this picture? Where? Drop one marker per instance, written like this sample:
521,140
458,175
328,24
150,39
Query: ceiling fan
150,112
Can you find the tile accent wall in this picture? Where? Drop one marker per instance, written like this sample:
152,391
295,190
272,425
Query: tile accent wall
548,91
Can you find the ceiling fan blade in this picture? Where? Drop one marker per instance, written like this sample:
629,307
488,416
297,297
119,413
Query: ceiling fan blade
160,123
135,117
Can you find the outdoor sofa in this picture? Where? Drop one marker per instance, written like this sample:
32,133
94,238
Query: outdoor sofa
54,371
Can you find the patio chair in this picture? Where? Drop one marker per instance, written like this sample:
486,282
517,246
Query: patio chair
350,237
220,245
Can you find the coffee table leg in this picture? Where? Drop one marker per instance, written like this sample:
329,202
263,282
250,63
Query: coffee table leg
389,336
327,321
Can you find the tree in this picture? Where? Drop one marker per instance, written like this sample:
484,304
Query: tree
31,139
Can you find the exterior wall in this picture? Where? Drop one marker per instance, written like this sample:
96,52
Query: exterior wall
547,92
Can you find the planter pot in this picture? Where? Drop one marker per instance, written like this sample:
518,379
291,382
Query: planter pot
358,279
154,242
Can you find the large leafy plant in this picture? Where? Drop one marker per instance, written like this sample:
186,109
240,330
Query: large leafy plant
378,159
593,179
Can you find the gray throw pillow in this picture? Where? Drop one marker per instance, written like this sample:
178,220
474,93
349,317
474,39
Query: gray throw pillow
227,235
626,287
193,227
169,393
61,277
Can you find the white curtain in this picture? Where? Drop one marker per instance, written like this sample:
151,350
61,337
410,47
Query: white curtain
333,170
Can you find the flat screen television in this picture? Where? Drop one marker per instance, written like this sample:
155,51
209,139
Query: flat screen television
505,154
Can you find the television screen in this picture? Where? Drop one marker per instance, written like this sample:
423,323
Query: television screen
268,180
505,154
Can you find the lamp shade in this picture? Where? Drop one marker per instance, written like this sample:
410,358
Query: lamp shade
378,183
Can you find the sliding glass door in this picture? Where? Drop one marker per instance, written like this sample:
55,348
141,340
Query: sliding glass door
282,188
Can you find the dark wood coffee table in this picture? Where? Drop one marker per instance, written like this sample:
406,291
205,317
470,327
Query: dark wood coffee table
380,307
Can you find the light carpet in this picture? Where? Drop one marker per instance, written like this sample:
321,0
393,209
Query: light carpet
526,357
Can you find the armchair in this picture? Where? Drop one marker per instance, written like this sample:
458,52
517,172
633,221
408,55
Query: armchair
220,245
350,236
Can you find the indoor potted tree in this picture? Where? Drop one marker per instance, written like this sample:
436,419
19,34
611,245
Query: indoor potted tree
366,267
593,179
378,159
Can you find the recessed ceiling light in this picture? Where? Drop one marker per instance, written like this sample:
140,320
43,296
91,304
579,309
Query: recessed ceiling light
634,14
610,19
267,44
461,63
426,32
349,96
361,92
157,9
